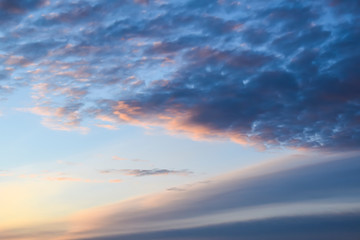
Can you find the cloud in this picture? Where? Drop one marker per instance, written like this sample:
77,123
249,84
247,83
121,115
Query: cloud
207,69
115,180
5,173
142,1
331,227
302,191
17,60
175,189
47,176
67,163
145,172
64,179
107,126
65,118
294,198
118,158
20,6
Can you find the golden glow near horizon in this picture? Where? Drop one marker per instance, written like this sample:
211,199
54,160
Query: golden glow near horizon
24,203
138,116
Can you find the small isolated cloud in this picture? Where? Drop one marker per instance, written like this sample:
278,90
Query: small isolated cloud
67,163
144,172
117,158
64,179
72,179
65,118
5,173
107,126
177,189
138,160
57,176
115,180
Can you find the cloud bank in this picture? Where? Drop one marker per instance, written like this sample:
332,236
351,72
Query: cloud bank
285,199
331,227
269,74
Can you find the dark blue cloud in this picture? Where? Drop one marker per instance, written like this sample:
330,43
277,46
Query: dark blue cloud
255,36
20,6
279,74
330,227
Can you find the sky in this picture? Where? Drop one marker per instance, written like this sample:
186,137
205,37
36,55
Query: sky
179,120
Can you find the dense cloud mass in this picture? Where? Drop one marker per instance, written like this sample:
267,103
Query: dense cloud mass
279,73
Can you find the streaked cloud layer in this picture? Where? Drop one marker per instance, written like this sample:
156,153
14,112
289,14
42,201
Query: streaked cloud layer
260,73
283,199
296,228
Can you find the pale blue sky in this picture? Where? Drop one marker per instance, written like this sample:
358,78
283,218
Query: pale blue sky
123,111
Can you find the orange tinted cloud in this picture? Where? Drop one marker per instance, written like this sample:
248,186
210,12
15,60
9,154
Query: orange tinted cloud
107,126
175,122
115,180
118,158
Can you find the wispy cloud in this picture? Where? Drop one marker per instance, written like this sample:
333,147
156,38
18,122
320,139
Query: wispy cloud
147,172
5,173
117,158
67,163
64,179
48,176
175,189
107,126
115,180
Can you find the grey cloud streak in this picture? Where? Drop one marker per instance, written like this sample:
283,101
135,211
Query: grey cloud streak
300,191
329,227
303,197
146,172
